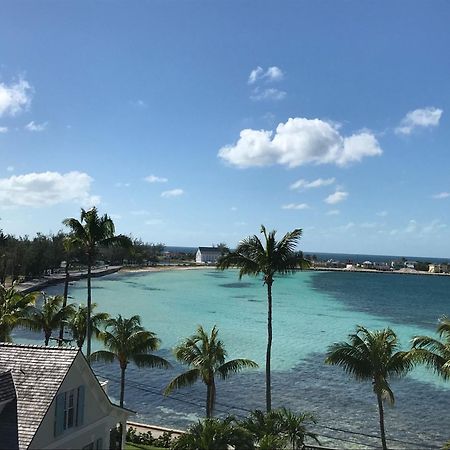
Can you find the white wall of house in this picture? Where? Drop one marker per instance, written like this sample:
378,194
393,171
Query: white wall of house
98,418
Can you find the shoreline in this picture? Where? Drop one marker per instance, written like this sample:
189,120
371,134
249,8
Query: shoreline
38,284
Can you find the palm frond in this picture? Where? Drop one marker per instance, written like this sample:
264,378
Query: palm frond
103,356
185,379
234,366
147,360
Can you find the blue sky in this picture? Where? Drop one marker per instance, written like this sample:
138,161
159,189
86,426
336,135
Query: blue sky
193,122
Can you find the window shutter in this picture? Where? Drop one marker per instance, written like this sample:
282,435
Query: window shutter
59,413
80,406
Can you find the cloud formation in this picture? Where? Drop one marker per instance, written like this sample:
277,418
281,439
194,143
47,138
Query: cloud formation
47,189
267,94
273,73
303,184
419,118
172,193
441,195
3,129
33,126
297,142
295,206
337,197
155,179
333,212
15,97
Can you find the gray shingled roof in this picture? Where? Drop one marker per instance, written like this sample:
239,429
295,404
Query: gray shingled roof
210,249
37,372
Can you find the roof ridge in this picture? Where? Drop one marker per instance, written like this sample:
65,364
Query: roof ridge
46,347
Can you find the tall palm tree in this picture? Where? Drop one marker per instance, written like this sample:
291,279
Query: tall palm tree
268,258
68,246
50,316
205,354
88,233
78,322
14,309
372,355
126,340
434,353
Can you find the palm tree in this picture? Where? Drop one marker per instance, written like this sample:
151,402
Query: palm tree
68,247
88,233
126,340
205,355
434,353
78,322
14,309
295,429
372,355
50,316
214,434
273,257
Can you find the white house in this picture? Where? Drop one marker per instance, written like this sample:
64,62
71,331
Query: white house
208,255
438,268
51,399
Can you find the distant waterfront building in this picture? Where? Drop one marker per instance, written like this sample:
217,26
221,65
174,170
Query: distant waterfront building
51,399
410,264
208,255
438,268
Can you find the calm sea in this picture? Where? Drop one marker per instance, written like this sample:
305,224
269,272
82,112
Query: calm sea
311,311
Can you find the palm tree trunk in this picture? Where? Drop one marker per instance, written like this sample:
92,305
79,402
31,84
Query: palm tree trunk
381,412
47,338
65,295
212,397
89,306
122,385
269,347
208,401
122,395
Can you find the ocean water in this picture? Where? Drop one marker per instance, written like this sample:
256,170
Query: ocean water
311,311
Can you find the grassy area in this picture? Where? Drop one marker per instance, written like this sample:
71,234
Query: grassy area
130,446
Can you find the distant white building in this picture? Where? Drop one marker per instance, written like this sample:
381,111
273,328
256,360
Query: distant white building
208,255
438,268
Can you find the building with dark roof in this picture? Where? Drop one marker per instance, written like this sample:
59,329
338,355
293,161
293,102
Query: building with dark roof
51,399
208,255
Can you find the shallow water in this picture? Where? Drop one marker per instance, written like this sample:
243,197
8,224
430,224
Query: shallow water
311,311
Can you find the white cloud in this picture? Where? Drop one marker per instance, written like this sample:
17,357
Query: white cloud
153,222
139,104
140,212
347,227
33,126
14,98
419,118
10,169
295,206
303,184
412,226
172,193
333,212
368,225
155,179
121,184
46,189
273,73
233,208
255,75
382,214
297,142
267,94
337,197
441,195
3,129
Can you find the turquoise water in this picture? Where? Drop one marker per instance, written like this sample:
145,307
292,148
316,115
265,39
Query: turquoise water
311,311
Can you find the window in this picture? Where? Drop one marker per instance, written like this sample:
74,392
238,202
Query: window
69,410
